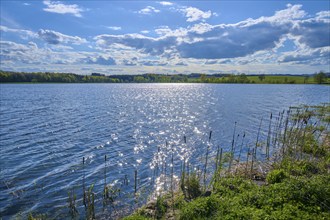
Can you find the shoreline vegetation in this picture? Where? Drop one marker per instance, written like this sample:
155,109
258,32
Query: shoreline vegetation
283,174
286,176
47,77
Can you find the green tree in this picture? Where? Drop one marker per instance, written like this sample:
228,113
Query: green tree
306,79
320,77
261,77
203,78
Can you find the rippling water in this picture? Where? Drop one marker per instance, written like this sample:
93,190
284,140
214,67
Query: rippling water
46,130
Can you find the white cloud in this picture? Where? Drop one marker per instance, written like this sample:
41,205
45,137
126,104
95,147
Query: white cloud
166,3
101,60
24,34
60,8
115,28
323,14
148,10
50,36
201,28
30,53
252,38
53,37
194,14
252,44
26,4
318,56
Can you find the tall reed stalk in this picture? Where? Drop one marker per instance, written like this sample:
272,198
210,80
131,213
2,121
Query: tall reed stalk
172,173
84,190
240,149
206,159
269,136
232,148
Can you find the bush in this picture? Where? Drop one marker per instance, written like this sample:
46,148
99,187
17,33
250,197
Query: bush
200,208
233,185
160,207
276,176
193,186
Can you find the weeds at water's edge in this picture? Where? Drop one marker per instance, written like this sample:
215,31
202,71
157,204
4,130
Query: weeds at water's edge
291,180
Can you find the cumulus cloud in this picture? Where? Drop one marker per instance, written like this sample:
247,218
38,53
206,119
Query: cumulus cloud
148,10
115,28
12,52
318,56
53,37
153,63
323,15
166,3
25,34
251,42
152,46
50,36
194,14
313,32
131,62
60,8
101,60
223,41
30,53
181,64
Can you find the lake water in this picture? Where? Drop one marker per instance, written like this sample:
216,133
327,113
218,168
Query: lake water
46,130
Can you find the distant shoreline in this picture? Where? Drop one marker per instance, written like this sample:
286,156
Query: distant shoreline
58,78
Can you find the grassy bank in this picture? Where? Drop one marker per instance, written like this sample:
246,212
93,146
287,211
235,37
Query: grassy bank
287,177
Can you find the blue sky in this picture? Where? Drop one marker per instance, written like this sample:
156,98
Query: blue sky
135,37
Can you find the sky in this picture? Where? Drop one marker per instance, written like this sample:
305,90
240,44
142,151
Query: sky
165,37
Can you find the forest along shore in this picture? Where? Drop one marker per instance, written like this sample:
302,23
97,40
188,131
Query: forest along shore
38,77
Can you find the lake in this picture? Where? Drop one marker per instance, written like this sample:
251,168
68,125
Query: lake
47,129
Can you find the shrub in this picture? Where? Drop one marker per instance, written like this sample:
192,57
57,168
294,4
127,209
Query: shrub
200,208
193,186
276,176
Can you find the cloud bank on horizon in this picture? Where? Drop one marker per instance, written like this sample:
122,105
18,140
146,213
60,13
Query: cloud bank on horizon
165,37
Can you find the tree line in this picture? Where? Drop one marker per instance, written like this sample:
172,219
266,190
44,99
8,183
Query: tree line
48,77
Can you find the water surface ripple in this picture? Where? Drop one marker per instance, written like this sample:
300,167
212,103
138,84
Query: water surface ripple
46,130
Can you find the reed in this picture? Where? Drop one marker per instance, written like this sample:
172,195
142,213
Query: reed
72,203
206,159
285,134
105,176
135,181
90,202
241,148
269,136
84,190
218,166
232,154
172,173
183,171
232,147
